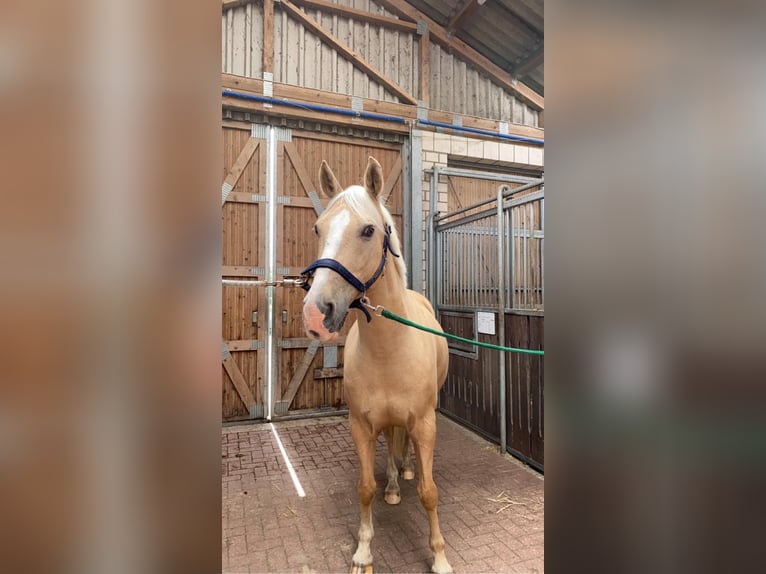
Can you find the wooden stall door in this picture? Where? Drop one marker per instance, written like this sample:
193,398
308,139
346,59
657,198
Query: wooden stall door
311,374
524,397
243,256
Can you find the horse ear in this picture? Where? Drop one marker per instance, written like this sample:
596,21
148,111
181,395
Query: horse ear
328,183
373,177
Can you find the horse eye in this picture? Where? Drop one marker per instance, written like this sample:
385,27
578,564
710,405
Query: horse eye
368,231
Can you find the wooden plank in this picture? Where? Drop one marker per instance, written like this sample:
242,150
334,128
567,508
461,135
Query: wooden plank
300,372
268,36
238,271
346,52
360,15
290,112
235,125
229,4
455,45
243,345
237,379
242,197
462,14
301,171
304,342
425,67
532,61
241,162
310,95
391,179
328,373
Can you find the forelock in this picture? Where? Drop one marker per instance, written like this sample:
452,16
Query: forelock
359,201
357,198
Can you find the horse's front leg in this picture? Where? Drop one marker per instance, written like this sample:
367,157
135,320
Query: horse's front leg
424,436
364,439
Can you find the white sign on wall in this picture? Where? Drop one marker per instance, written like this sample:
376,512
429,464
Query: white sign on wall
485,322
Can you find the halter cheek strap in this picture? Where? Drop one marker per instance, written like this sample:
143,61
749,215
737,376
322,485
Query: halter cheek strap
352,279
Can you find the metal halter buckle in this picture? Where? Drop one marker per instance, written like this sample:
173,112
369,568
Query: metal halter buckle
376,309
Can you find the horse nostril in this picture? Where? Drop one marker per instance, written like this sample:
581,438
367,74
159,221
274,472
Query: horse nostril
326,308
313,333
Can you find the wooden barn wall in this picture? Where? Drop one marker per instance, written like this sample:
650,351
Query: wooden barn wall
302,59
242,37
458,88
315,65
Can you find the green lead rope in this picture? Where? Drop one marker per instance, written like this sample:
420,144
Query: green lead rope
394,317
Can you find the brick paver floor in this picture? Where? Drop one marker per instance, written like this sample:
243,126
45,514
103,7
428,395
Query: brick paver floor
490,506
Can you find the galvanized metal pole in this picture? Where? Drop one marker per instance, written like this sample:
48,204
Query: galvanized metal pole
271,261
501,312
432,287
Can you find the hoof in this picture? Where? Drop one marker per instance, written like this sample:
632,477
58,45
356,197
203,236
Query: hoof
361,568
442,569
408,474
393,497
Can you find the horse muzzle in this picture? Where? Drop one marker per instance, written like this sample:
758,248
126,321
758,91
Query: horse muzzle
323,319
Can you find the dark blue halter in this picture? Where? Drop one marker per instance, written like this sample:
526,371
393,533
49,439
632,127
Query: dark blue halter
340,269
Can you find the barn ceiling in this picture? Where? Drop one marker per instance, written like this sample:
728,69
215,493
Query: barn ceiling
508,32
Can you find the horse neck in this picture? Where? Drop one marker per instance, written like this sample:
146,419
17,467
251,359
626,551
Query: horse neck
389,292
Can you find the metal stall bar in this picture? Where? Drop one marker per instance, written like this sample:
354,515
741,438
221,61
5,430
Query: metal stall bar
509,191
501,313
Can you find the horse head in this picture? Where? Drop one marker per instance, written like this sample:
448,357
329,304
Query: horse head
354,235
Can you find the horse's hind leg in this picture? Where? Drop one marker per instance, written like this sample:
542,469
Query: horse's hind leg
364,439
424,436
392,494
408,466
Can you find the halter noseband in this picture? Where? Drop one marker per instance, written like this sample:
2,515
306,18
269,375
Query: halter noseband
340,269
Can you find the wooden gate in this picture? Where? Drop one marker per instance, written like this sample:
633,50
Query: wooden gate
306,375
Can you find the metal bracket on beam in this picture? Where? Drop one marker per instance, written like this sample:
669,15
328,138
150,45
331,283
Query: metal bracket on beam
457,121
255,411
257,271
268,85
259,131
280,407
284,134
422,27
225,351
503,128
283,199
422,110
357,104
330,357
255,198
318,207
255,345
225,191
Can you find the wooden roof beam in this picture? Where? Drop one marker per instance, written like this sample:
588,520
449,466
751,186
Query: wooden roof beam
463,13
359,15
439,34
346,52
528,63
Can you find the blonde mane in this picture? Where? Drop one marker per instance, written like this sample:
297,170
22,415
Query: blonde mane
360,202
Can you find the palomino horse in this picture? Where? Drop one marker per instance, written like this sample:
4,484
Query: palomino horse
392,373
